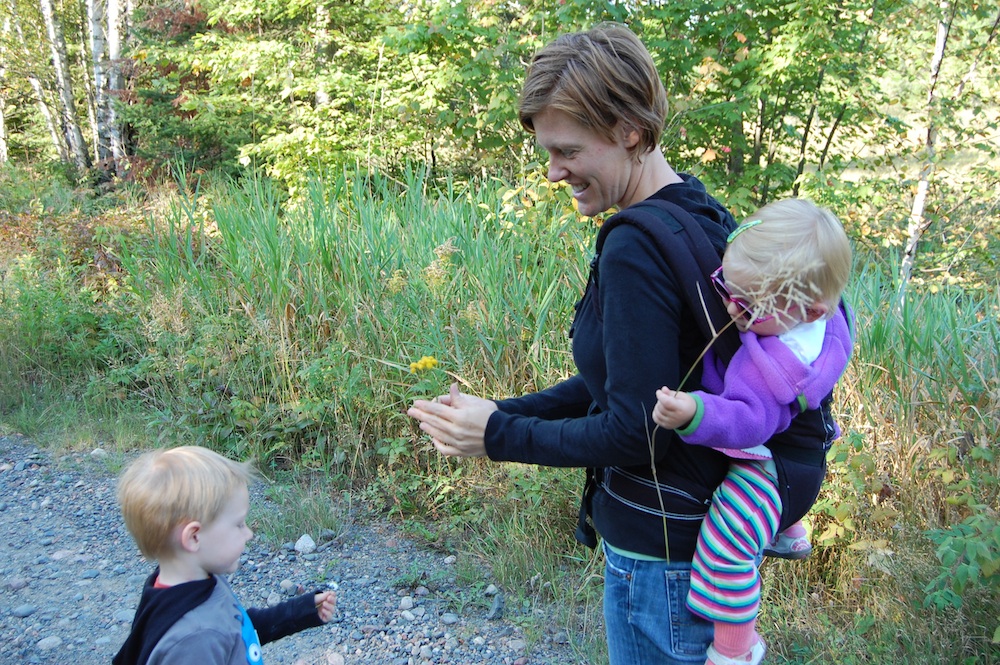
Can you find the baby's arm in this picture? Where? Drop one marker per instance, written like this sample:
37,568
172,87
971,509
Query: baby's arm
673,409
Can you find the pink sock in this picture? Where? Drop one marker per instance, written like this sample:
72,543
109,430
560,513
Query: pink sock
734,639
797,530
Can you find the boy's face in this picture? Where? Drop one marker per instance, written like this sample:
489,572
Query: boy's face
222,541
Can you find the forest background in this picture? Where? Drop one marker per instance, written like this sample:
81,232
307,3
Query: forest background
267,227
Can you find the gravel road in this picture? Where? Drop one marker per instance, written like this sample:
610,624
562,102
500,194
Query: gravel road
71,578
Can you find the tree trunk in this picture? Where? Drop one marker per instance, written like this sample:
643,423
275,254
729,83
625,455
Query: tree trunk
99,67
57,44
4,152
918,222
4,33
321,45
90,95
829,136
58,141
804,144
117,21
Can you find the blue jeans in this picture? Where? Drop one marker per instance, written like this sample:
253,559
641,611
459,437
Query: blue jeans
646,614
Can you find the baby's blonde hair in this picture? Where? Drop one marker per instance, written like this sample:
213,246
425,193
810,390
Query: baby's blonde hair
165,488
796,251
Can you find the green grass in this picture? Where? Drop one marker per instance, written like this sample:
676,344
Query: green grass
300,505
283,331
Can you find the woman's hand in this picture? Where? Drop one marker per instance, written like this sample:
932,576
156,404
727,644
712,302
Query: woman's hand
673,409
456,422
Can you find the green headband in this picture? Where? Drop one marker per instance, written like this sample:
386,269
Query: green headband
741,228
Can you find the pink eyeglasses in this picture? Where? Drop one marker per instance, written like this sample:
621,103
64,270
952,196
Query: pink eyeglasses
746,309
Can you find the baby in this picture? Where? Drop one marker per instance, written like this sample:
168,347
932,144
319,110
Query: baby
782,278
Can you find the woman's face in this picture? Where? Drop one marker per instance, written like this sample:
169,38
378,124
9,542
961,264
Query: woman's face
598,170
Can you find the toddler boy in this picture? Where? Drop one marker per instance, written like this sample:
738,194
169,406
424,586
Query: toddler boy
186,508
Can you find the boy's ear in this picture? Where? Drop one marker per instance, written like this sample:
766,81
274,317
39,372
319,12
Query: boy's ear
817,311
189,536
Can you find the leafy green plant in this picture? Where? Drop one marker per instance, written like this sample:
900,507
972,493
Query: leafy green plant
969,553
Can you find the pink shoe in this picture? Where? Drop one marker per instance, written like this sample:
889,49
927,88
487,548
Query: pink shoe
752,657
789,547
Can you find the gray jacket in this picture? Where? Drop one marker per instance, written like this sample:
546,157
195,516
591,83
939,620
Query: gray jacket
214,628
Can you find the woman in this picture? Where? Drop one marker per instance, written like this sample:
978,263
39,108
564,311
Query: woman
595,102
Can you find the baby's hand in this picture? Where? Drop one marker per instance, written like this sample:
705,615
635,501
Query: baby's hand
673,409
326,603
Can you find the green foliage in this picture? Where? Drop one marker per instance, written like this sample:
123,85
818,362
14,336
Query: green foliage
46,188
51,327
970,558
271,322
762,90
296,505
765,97
295,331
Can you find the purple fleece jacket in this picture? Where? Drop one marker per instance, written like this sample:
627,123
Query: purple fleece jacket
763,388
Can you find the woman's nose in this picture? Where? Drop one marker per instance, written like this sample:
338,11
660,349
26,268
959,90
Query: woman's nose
557,171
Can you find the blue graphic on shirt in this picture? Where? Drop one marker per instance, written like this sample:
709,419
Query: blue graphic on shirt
250,640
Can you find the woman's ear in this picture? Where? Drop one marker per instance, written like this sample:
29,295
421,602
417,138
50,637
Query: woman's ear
630,136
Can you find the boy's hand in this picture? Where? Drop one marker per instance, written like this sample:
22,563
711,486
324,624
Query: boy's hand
326,603
673,409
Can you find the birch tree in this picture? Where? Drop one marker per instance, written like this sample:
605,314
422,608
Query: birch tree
60,65
918,222
4,87
109,124
105,19
28,60
99,66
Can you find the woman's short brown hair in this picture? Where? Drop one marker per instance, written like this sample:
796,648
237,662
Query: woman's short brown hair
603,78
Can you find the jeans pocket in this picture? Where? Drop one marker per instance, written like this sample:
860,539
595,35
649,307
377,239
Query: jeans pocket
690,634
612,565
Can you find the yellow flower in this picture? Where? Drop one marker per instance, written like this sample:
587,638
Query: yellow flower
425,363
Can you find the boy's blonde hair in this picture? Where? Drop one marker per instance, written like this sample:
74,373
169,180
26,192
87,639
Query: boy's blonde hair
603,78
796,251
165,488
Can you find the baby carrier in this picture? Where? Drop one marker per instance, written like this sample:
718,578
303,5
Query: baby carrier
799,452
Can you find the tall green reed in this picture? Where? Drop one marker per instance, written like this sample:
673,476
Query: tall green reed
329,299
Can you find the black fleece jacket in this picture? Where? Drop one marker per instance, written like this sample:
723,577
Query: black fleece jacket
645,337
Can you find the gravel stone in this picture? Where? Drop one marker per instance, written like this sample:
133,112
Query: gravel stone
72,577
22,611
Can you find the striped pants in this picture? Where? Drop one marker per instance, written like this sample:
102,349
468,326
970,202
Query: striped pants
742,519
